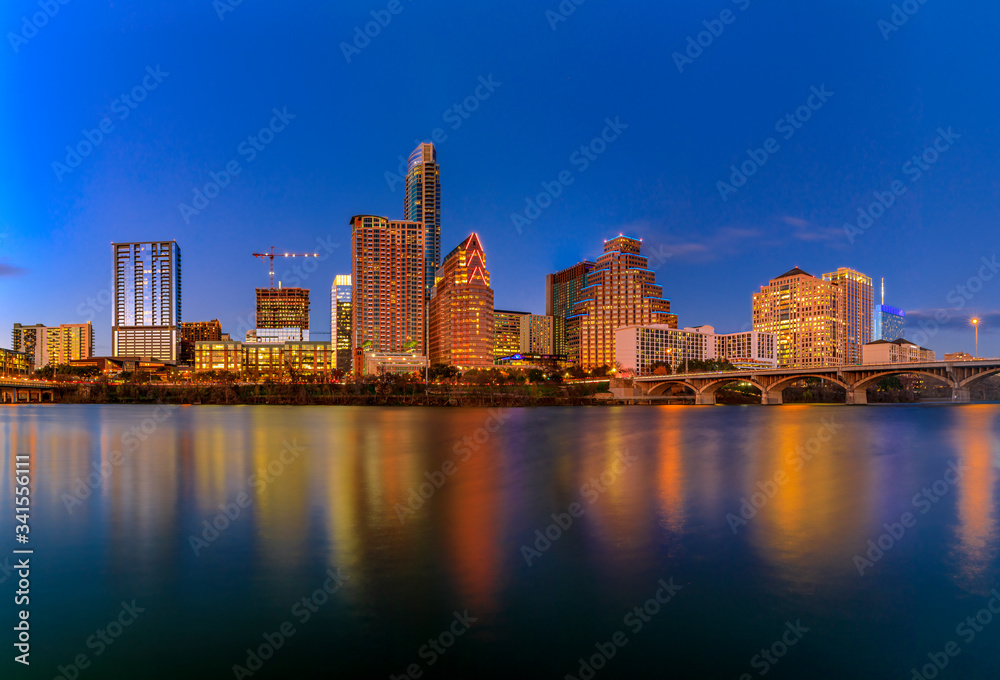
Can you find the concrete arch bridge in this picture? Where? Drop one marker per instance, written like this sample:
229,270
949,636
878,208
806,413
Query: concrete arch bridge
960,376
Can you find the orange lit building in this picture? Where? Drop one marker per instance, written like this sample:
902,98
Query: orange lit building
197,331
620,291
801,311
283,308
388,308
461,309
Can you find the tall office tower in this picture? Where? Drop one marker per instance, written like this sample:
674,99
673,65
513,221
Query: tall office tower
461,309
801,311
388,272
146,316
423,204
282,315
197,331
621,291
340,322
889,321
855,306
562,290
31,341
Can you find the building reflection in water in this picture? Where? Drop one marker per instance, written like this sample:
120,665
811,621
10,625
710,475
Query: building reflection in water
976,539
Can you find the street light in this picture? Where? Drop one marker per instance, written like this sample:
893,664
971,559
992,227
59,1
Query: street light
975,325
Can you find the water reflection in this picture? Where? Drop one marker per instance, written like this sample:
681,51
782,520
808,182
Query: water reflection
976,545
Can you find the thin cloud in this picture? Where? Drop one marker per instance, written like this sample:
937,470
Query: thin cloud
955,320
8,270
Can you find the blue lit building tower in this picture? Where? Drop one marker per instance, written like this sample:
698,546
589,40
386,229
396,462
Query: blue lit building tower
889,321
423,204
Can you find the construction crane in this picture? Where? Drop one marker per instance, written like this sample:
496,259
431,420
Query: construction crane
271,255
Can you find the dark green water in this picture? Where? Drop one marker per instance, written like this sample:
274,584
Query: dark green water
646,494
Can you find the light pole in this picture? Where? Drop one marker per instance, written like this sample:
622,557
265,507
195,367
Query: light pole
975,325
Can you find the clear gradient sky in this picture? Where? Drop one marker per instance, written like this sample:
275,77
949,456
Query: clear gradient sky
885,95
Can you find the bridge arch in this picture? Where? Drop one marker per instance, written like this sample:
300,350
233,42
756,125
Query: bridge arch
865,383
979,376
716,385
784,382
664,386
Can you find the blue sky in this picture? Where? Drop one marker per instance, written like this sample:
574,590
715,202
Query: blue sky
208,84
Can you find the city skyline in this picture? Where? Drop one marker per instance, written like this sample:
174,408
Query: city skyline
505,129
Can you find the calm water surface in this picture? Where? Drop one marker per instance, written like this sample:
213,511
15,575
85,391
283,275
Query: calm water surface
657,493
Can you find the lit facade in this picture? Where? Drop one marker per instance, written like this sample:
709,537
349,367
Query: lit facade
637,348
340,322
68,342
855,307
14,363
283,308
146,314
461,309
620,291
308,358
800,310
195,331
388,305
522,333
31,341
899,351
217,355
890,323
423,204
507,332
400,363
562,291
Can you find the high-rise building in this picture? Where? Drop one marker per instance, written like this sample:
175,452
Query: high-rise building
507,332
388,306
562,290
197,331
801,311
30,340
54,345
279,308
423,204
340,322
889,321
146,316
461,309
855,306
620,291
522,333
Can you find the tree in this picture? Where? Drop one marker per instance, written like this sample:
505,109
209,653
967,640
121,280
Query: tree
577,372
660,368
601,371
535,375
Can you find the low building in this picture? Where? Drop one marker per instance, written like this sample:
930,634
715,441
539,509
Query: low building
309,358
638,348
217,355
899,351
261,360
959,356
374,363
15,363
543,361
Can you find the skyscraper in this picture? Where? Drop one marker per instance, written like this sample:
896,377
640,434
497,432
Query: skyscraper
388,273
621,291
461,309
855,306
521,333
801,311
423,204
562,290
282,314
889,321
146,314
340,322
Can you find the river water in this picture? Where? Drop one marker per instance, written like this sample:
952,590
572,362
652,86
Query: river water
634,542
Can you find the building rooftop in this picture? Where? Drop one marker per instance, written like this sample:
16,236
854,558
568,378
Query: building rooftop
793,272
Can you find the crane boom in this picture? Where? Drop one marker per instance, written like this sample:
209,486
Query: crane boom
271,255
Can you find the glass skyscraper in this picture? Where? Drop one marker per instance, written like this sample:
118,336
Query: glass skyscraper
423,204
146,316
889,322
340,321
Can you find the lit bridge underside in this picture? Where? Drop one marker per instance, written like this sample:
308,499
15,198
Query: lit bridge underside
14,391
958,375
